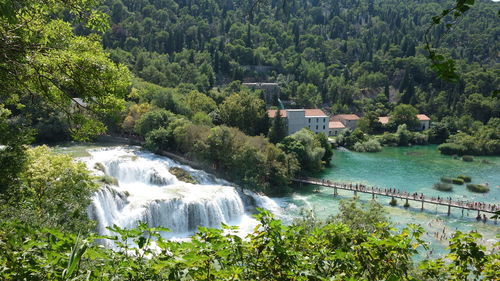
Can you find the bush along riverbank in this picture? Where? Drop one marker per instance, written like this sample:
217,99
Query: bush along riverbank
249,161
451,135
480,139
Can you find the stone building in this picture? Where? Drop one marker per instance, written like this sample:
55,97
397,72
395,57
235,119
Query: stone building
348,120
296,119
424,120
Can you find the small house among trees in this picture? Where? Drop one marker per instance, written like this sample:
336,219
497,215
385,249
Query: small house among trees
424,122
348,120
296,119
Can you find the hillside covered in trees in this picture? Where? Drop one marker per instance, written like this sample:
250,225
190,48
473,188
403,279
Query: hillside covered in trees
165,72
333,53
344,56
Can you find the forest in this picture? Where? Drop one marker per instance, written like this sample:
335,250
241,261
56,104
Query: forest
170,73
360,57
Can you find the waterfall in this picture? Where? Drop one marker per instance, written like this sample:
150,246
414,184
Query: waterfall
148,192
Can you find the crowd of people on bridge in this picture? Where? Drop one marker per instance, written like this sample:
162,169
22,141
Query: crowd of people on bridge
480,206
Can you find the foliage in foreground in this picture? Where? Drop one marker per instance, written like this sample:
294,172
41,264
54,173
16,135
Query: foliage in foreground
325,251
53,191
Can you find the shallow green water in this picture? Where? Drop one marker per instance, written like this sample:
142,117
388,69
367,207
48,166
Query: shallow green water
416,169
413,169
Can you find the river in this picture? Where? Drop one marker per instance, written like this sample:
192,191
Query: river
412,169
148,192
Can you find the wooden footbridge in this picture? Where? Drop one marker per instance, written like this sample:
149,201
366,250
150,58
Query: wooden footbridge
394,193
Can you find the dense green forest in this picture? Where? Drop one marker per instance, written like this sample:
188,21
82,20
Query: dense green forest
333,53
344,56
170,73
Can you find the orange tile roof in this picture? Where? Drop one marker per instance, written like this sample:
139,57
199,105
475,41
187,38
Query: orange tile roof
336,125
423,117
315,112
383,119
420,117
345,117
272,113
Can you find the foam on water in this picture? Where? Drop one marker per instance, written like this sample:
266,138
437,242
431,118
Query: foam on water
148,192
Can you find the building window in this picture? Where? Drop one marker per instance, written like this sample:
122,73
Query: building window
317,120
316,127
324,120
323,127
309,120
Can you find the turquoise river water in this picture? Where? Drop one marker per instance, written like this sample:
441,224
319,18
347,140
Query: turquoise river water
412,169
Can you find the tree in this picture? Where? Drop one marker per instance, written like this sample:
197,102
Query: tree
54,191
438,133
153,120
44,58
445,67
220,144
404,114
480,107
403,135
278,129
307,96
370,123
306,148
367,217
325,144
13,142
198,102
245,111
349,138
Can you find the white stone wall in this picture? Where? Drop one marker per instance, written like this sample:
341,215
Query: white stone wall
424,125
334,132
318,124
296,120
351,124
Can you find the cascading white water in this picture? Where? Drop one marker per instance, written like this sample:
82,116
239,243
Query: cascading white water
148,192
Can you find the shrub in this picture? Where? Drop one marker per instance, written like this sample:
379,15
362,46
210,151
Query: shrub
458,181
371,145
153,120
467,158
389,139
159,139
182,175
443,186
451,148
100,167
404,135
465,178
447,180
478,188
107,179
420,138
